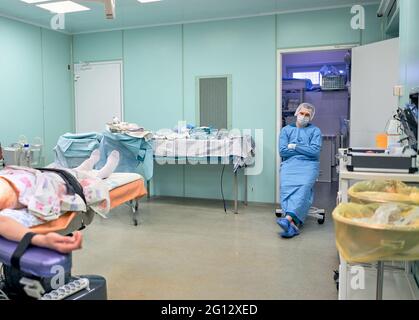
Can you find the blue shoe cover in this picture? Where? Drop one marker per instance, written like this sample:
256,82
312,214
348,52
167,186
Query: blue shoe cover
284,223
291,233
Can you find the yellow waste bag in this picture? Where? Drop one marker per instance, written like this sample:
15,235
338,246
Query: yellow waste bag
361,242
383,192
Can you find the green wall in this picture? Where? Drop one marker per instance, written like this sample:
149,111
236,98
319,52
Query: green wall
162,63
21,90
35,87
326,27
409,45
57,93
232,47
153,90
100,46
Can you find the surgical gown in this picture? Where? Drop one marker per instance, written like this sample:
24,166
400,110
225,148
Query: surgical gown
299,168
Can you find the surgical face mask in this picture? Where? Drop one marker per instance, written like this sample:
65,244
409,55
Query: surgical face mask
303,120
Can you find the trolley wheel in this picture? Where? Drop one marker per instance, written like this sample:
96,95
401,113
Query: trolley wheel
279,214
336,279
336,275
322,220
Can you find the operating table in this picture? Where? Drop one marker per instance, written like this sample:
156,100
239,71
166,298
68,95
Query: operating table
44,274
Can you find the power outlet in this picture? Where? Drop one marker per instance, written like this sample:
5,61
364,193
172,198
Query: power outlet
398,91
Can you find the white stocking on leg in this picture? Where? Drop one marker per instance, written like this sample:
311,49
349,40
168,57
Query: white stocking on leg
110,166
90,163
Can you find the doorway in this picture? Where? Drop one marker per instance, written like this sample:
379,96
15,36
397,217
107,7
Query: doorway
322,77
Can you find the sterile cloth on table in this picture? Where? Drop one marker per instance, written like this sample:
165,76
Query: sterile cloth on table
72,149
192,148
133,152
239,149
183,128
180,148
222,134
203,133
170,134
219,147
242,149
44,194
164,148
299,168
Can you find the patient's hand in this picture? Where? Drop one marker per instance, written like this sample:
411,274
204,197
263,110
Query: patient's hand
58,242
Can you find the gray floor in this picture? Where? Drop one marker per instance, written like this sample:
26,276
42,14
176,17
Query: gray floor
190,249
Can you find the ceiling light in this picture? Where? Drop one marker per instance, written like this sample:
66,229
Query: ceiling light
63,7
147,1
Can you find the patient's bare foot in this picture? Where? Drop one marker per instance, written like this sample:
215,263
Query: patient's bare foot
110,166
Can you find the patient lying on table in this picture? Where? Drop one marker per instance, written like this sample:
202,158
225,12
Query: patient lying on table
32,197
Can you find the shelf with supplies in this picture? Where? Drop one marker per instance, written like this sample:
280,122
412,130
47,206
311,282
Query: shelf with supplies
291,99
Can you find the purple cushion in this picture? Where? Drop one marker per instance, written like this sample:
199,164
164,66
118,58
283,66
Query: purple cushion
36,261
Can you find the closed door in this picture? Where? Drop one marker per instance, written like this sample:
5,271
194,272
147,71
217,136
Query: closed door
98,95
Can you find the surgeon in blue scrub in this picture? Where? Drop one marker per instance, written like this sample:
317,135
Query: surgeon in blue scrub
299,146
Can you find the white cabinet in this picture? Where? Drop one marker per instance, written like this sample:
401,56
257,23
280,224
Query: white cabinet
327,159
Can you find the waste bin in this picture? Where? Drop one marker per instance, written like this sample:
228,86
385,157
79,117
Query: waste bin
362,242
384,192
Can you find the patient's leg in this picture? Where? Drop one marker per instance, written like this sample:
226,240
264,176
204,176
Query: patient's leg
90,163
110,166
8,195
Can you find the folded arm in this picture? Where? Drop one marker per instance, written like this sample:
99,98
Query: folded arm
284,151
14,231
313,149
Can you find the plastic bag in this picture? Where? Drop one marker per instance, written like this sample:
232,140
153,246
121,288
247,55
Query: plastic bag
329,70
383,192
392,214
360,240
